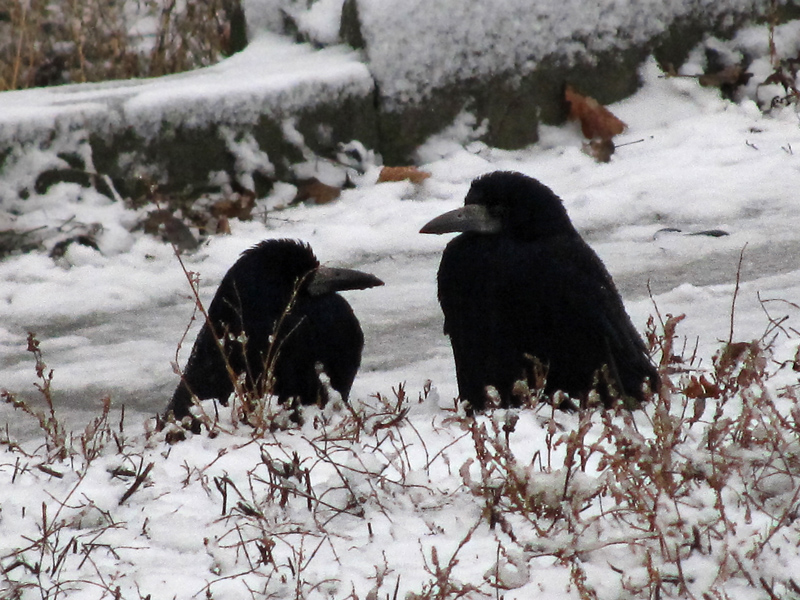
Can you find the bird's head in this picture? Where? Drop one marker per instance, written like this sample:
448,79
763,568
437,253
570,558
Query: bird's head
289,262
506,203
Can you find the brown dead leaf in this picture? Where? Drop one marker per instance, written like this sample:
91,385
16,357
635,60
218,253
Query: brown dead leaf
162,223
223,226
314,191
727,79
596,120
412,174
669,69
671,324
732,76
239,206
156,219
701,388
698,408
731,354
668,356
781,77
599,149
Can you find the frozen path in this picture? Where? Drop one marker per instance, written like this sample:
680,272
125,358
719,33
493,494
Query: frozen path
111,323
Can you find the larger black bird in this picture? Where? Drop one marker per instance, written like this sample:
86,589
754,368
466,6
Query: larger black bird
281,323
520,287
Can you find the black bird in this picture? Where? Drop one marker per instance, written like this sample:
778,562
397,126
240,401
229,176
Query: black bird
276,306
520,287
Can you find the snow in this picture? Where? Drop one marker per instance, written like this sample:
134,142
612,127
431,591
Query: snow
272,74
321,21
353,508
448,42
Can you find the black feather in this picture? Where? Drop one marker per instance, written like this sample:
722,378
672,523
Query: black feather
317,331
524,284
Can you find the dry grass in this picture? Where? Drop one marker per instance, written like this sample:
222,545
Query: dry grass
46,42
696,496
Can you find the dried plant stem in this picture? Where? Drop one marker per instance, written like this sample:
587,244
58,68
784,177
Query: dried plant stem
736,292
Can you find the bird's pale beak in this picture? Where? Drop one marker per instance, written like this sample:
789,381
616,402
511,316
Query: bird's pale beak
472,217
325,280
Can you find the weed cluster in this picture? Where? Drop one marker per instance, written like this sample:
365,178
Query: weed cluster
695,496
710,470
72,528
45,42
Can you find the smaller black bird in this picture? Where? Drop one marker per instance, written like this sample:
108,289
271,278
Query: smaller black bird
519,288
281,324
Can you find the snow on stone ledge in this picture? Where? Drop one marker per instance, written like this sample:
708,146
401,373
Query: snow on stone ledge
415,46
272,75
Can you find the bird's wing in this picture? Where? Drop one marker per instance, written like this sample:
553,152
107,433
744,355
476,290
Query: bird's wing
594,314
323,330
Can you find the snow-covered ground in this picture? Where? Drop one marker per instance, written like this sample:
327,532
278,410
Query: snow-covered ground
388,508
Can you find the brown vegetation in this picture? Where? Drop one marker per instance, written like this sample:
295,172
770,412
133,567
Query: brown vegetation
46,42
